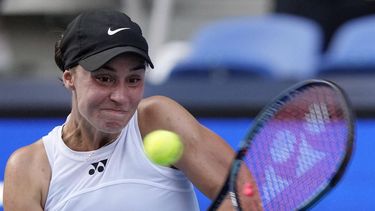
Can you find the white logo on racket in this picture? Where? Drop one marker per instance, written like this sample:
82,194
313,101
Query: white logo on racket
283,146
308,157
274,184
112,32
317,117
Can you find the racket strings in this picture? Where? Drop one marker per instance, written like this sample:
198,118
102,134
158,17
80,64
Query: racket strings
297,151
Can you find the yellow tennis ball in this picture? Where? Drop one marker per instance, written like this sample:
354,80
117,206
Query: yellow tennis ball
163,147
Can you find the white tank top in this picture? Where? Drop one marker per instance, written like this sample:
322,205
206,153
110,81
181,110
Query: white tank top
118,176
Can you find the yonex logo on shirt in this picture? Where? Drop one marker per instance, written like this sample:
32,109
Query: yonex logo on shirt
98,167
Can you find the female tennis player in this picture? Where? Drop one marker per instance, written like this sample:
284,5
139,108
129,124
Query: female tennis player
95,160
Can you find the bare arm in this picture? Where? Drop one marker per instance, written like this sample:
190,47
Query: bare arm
206,158
26,179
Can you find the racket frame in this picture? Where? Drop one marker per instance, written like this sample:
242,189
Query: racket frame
266,114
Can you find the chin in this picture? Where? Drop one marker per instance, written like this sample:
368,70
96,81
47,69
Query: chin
113,127
112,122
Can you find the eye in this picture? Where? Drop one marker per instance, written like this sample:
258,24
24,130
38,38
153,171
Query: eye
105,79
134,80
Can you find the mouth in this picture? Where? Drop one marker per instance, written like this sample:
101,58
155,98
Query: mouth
115,111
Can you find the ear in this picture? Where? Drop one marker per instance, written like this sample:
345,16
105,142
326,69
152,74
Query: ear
68,79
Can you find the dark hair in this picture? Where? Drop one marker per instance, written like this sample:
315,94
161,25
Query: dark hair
59,54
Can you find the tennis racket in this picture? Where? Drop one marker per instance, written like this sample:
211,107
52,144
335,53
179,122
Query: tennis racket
297,149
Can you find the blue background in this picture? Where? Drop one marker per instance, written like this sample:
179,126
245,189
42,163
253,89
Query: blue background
354,192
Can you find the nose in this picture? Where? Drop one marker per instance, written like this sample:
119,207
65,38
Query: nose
119,94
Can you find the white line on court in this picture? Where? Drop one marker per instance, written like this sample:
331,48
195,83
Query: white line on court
1,193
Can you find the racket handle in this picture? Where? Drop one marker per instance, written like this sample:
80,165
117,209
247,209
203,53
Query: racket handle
235,202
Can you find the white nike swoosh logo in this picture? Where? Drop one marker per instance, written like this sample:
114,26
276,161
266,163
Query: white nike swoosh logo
112,32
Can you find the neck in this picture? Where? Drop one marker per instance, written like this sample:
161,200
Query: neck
80,136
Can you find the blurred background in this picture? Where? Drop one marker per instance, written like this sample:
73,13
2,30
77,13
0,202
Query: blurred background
223,60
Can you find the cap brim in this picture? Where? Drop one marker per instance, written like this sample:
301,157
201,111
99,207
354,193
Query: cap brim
94,62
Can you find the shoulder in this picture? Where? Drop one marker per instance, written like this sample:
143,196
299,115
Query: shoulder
160,112
28,167
27,156
154,111
29,161
155,103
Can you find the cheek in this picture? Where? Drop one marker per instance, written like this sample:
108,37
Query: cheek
89,99
137,95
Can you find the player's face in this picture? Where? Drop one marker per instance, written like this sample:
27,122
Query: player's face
107,98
